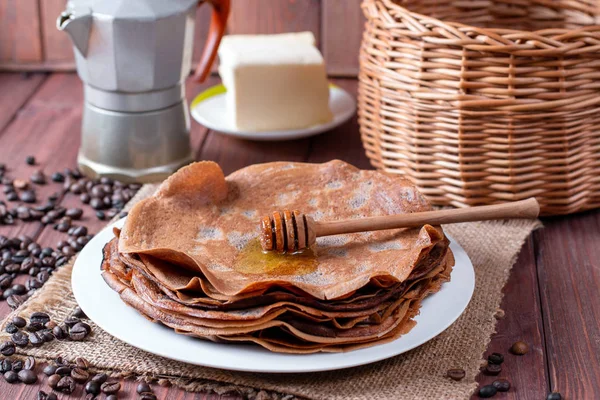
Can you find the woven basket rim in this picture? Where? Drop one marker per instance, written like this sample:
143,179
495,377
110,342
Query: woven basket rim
515,38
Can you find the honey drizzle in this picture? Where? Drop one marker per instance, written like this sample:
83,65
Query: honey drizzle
254,260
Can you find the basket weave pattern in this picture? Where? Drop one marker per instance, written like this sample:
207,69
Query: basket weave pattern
475,113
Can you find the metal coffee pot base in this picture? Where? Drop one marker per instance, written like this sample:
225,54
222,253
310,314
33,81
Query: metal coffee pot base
134,146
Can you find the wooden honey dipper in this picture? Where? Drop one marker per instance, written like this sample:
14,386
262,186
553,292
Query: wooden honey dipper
292,231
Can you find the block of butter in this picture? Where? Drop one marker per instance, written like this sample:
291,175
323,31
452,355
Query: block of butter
274,82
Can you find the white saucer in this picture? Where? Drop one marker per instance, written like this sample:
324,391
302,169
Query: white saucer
208,108
104,306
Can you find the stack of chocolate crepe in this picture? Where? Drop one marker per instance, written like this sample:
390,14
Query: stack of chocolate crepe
188,257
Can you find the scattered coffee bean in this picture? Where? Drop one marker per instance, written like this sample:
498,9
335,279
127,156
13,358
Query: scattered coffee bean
79,375
111,397
14,301
92,387
487,391
495,358
59,332
29,363
38,178
53,380
5,365
79,331
42,395
52,396
147,396
100,378
47,335
58,177
20,184
27,376
110,387
96,203
36,339
501,385
39,317
100,215
49,369
71,321
11,376
519,348
78,313
63,370
74,213
82,363
30,160
34,326
28,196
12,196
554,396
11,328
493,369
20,339
66,385
80,231
143,387
17,365
7,349
456,374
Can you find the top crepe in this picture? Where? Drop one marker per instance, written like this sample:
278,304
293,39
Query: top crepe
197,223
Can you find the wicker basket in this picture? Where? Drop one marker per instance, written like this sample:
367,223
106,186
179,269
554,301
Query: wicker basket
500,104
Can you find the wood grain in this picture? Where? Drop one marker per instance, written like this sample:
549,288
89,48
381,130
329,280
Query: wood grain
57,45
569,278
20,38
275,16
15,90
342,24
528,373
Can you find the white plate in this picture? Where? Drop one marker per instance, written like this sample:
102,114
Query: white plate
208,108
104,306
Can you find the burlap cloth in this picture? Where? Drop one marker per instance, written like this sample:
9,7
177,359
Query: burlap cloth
418,374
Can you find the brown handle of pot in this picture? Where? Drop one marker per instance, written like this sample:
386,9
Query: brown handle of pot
218,21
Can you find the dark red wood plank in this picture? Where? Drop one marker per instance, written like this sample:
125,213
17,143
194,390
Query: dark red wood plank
522,321
342,24
568,271
57,45
343,142
15,90
20,39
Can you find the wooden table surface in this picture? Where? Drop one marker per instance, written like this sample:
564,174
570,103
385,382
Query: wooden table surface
552,299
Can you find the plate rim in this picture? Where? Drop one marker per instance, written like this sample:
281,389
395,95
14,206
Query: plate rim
469,269
271,136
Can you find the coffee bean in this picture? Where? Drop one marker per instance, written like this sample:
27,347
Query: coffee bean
110,387
59,332
28,196
52,396
17,366
11,328
495,358
455,374
63,370
58,177
82,363
39,317
79,375
33,284
78,313
93,387
19,289
95,203
20,184
80,231
42,395
36,339
84,198
78,332
20,339
5,365
7,349
493,369
30,160
14,301
5,281
29,363
38,177
66,385
111,397
519,348
100,378
147,396
100,215
71,321
53,380
487,391
11,376
501,385
34,326
123,214
27,376
554,396
49,369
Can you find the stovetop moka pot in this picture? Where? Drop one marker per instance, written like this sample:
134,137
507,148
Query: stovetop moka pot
133,57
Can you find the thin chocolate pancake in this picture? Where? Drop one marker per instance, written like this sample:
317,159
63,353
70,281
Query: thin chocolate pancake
188,257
